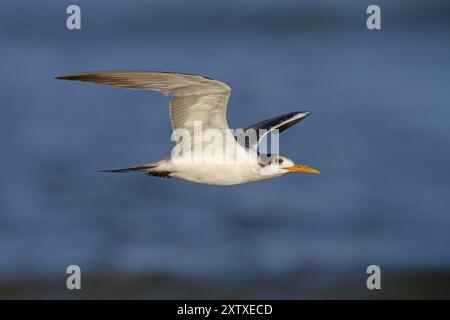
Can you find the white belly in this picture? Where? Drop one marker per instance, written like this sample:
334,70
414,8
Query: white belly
219,174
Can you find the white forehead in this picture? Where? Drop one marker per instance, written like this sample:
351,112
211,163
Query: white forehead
286,162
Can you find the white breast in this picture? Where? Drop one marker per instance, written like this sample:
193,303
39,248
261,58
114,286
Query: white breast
218,174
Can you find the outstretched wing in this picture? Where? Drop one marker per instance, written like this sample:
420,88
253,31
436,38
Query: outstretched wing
263,128
196,98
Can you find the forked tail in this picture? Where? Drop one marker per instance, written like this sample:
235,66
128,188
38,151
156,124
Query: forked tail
143,168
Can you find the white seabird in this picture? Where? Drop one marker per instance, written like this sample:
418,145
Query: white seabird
201,100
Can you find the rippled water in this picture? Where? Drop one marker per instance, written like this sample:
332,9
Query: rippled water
379,132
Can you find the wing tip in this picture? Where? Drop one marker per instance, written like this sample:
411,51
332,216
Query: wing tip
300,115
75,76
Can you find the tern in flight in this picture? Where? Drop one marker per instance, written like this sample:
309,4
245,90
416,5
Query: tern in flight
201,100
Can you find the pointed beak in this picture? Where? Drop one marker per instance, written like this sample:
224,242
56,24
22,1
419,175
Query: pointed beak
302,169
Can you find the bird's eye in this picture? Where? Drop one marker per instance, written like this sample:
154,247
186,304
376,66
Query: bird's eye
278,161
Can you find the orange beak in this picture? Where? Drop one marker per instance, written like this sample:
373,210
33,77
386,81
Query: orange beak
302,169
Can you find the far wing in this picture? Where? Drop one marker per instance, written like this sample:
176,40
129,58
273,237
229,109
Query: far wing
265,127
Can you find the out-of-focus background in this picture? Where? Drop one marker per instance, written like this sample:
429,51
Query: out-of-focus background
379,132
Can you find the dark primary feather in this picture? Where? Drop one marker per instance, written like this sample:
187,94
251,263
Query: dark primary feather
281,123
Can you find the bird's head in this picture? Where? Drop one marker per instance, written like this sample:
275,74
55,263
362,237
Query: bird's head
279,165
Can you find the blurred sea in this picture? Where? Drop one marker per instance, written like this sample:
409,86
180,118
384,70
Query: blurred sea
379,132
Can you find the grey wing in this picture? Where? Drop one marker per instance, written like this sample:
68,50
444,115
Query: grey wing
263,128
196,98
